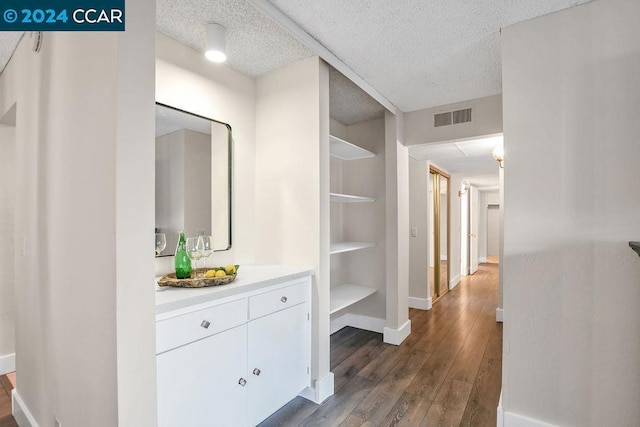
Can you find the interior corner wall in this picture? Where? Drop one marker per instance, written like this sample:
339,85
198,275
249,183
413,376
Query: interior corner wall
7,213
186,80
571,294
486,120
292,183
419,219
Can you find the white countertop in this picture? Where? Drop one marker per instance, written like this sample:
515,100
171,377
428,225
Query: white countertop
250,277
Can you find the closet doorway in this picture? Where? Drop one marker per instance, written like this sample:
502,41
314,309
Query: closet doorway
439,269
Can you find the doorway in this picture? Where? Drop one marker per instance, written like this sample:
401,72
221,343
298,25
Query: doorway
439,270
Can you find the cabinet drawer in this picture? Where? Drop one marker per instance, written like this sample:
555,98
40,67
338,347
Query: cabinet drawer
186,328
279,299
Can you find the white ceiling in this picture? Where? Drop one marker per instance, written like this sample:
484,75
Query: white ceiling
470,159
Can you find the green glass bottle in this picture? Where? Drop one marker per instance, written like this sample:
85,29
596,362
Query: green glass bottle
181,261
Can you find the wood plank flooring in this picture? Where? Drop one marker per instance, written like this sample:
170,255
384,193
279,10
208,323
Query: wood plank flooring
6,419
448,372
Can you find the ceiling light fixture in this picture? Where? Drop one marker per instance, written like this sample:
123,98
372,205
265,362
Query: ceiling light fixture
216,43
498,154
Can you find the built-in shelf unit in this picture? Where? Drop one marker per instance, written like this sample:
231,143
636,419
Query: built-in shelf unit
344,295
347,151
338,248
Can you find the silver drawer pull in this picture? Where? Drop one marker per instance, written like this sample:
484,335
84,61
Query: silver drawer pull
256,372
283,299
205,324
242,382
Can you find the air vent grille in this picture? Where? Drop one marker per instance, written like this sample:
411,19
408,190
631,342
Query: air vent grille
442,119
452,117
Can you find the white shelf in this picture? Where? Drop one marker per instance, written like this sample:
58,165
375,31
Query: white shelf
337,248
348,198
347,151
344,295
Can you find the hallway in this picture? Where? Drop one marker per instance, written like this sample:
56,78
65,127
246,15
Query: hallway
447,372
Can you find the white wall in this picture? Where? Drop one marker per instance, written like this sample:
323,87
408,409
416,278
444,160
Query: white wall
571,294
7,208
186,80
454,232
292,183
486,120
397,229
85,326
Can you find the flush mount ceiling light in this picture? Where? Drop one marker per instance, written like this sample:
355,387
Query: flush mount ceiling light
216,43
498,154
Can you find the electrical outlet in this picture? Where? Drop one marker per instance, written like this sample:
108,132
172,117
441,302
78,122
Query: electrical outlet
57,422
414,232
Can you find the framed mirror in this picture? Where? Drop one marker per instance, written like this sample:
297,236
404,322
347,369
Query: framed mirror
193,177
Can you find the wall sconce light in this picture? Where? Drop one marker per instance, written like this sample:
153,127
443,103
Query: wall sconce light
498,154
216,43
463,189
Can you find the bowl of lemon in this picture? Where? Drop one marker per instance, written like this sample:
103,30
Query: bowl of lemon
203,277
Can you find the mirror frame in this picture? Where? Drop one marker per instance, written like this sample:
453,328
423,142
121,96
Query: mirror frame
230,171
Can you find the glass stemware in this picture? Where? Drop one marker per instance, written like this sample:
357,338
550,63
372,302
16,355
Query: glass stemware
161,243
194,252
207,249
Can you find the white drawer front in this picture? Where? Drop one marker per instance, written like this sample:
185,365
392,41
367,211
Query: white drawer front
180,330
279,299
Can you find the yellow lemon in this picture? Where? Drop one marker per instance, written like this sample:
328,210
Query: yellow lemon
209,274
220,273
230,269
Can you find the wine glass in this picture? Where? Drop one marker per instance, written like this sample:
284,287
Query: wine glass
207,249
194,252
161,243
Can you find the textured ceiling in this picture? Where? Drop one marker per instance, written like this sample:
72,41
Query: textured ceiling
470,159
419,53
348,103
255,44
8,42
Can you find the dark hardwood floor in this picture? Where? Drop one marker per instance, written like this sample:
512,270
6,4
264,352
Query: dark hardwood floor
448,372
6,419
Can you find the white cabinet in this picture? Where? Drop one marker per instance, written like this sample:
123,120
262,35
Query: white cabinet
278,360
200,383
236,362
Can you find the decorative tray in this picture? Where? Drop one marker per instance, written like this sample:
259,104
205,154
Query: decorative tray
200,281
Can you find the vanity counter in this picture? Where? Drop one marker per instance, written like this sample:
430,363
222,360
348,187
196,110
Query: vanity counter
250,277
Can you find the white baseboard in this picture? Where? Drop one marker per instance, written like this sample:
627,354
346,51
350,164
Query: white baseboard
454,282
482,260
396,336
320,391
21,412
7,363
421,303
510,419
358,321
499,314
